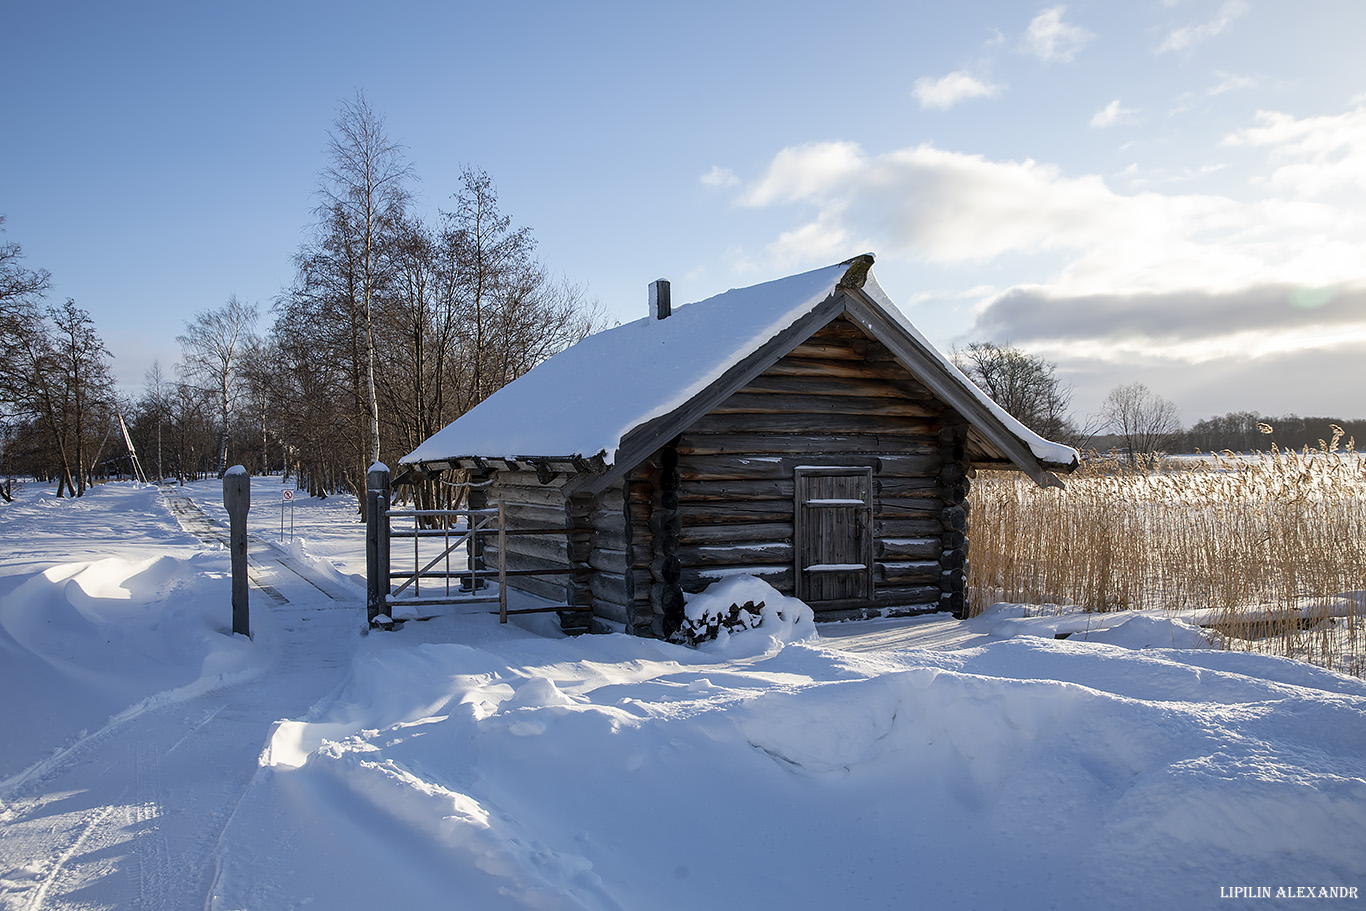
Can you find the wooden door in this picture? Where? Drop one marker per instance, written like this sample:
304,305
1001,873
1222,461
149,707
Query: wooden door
833,533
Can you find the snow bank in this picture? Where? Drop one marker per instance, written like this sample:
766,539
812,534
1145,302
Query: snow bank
611,772
110,638
1129,629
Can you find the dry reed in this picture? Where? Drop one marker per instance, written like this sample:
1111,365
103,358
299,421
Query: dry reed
1268,550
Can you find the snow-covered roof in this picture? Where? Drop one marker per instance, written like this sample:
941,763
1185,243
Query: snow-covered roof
584,401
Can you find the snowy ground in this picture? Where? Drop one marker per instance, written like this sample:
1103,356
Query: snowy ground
151,760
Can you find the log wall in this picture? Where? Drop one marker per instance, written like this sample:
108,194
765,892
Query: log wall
838,399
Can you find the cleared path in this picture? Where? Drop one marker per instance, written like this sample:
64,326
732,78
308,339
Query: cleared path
130,815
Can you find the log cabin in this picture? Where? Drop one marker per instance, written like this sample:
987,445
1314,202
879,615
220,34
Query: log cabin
801,431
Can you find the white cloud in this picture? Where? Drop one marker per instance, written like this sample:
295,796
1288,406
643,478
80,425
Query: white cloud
1304,223
1320,157
1190,35
946,91
1050,39
720,177
1112,114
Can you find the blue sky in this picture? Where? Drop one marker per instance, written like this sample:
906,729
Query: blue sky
1163,192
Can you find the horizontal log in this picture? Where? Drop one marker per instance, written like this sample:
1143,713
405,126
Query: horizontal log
844,615
907,528
521,515
708,491
535,546
540,587
728,534
697,579
924,488
885,597
841,349
926,548
517,561
910,465
735,513
617,540
729,467
907,508
770,553
817,424
534,496
524,479
880,387
609,587
612,499
806,403
607,559
609,610
915,572
797,444
614,520
840,328
823,367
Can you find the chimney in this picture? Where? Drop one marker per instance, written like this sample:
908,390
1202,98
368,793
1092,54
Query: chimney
659,299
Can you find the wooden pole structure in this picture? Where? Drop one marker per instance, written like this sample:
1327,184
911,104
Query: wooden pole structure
502,565
376,542
237,500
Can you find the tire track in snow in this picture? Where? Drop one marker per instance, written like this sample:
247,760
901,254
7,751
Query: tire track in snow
194,520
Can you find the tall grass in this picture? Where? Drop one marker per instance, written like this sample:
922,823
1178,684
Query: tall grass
1269,549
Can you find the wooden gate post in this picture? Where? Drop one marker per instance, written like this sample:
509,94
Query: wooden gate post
237,500
376,541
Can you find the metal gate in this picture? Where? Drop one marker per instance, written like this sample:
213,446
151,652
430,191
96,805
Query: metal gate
430,571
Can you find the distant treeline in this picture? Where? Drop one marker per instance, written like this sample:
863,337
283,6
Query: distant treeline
1242,431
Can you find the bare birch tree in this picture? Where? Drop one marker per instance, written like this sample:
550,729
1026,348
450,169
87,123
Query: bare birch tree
365,184
213,347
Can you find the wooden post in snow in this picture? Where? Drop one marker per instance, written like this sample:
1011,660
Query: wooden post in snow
376,542
237,500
